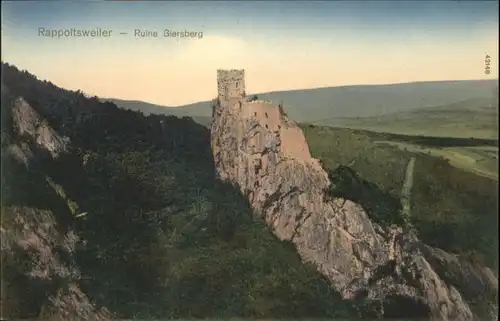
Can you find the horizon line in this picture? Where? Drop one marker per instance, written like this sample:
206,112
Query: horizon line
259,93
317,88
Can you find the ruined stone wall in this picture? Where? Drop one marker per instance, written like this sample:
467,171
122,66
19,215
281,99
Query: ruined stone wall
267,114
293,142
230,84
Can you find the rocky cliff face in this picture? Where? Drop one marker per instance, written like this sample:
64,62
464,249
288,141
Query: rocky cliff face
386,268
39,275
30,125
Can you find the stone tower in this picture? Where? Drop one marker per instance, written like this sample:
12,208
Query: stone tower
230,84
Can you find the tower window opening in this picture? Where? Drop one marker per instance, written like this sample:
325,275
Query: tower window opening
266,115
266,126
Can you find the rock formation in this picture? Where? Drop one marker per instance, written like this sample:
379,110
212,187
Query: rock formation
38,264
265,154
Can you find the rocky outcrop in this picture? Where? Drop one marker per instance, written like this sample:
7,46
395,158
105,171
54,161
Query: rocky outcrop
267,158
38,265
40,277
28,123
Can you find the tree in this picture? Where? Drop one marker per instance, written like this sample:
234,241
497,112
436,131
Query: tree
282,111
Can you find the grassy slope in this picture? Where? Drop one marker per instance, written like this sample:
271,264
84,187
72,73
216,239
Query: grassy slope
481,160
471,118
474,118
452,208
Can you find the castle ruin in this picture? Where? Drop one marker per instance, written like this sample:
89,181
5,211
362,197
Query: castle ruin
232,98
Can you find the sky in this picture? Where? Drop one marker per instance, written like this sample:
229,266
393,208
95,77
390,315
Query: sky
281,45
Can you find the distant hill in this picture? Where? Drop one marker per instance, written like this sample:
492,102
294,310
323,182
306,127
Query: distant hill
312,105
200,112
476,118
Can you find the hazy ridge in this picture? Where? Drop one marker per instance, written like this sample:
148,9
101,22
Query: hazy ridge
311,105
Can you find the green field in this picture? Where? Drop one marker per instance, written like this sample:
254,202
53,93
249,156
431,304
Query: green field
476,118
454,194
482,160
478,123
463,133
